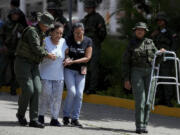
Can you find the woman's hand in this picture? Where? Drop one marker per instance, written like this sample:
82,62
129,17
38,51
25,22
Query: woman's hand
51,56
67,62
127,85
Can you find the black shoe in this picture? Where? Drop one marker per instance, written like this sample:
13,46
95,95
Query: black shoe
144,131
55,122
66,121
36,124
41,119
22,120
138,131
75,123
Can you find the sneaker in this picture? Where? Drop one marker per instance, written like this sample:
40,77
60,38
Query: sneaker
41,119
66,121
55,122
21,119
36,124
76,123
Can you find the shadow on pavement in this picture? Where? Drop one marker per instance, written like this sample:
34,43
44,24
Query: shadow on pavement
108,129
9,123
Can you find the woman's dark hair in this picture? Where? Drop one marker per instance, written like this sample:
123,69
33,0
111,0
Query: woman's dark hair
78,25
56,26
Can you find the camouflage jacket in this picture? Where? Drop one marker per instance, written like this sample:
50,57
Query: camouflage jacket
95,27
31,45
139,53
10,34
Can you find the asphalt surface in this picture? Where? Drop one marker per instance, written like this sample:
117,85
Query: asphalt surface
96,120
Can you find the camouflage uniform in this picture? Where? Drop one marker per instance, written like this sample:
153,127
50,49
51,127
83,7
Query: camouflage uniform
9,35
95,28
136,68
165,38
29,54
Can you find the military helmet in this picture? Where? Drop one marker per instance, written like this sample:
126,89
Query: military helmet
161,16
52,5
141,25
90,3
47,19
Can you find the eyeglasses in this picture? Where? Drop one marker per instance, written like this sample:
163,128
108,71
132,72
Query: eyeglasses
78,33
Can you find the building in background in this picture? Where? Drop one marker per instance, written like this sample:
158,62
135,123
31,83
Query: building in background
106,9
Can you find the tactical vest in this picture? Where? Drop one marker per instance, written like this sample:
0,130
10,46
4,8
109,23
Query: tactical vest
164,40
24,50
143,55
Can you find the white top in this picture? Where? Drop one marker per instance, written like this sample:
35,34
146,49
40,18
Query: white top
53,69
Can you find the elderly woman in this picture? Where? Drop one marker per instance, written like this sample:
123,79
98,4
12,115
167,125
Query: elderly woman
137,72
77,56
52,75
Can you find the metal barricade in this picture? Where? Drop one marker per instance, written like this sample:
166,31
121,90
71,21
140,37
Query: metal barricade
175,80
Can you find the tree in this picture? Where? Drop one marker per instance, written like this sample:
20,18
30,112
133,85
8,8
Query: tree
146,10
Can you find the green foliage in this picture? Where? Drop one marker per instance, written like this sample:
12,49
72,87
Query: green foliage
132,15
110,81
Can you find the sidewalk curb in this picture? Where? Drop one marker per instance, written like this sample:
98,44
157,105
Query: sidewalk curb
117,102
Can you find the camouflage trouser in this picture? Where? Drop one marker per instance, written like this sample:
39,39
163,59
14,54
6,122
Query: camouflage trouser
93,69
28,77
140,80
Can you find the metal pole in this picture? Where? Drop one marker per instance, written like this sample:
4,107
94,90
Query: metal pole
23,5
70,12
44,5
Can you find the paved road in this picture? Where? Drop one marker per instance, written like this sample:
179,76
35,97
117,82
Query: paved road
97,120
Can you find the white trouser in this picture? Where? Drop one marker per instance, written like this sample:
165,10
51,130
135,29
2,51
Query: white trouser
51,96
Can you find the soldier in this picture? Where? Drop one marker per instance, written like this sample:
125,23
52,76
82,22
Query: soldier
163,37
137,72
22,18
9,35
95,29
29,54
57,13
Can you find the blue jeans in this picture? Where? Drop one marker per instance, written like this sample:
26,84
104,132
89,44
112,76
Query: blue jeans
75,83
